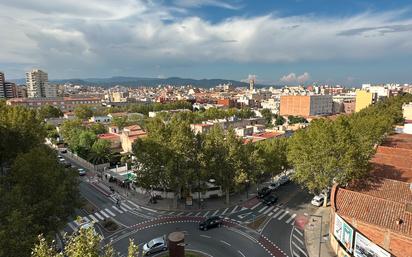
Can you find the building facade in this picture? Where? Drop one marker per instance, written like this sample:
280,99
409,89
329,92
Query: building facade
306,105
38,86
63,103
364,99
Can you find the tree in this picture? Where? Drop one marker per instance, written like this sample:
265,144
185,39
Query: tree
279,120
296,119
133,250
25,215
100,152
43,249
83,112
120,122
98,128
267,114
48,111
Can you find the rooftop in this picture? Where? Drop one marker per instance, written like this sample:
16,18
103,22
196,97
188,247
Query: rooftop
108,136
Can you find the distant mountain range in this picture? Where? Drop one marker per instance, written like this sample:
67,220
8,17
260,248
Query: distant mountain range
139,82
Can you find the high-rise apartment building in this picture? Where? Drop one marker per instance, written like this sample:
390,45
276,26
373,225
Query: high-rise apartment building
252,84
305,105
2,80
364,99
37,82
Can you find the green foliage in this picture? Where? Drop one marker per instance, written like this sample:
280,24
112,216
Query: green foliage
49,111
279,120
133,250
120,122
98,128
296,119
267,114
25,215
83,112
100,152
43,249
339,151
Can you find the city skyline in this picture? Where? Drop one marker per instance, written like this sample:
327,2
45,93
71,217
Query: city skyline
279,43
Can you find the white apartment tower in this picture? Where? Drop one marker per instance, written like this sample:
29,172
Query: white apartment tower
2,86
37,82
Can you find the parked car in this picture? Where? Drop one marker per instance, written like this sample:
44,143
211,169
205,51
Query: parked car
67,165
283,179
155,245
264,192
274,186
318,200
211,222
63,150
270,199
82,172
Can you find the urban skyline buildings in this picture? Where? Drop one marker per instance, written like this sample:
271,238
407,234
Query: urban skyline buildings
38,85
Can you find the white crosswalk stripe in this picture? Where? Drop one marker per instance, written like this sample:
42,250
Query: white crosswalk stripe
298,239
291,218
283,215
277,214
117,209
188,214
133,204
110,212
126,206
223,213
295,254
214,214
99,216
171,213
234,209
256,205
180,213
86,219
300,249
205,215
197,214
76,223
275,210
298,231
104,214
269,209
93,218
262,209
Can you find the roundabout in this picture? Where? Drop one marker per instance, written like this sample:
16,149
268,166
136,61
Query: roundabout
231,239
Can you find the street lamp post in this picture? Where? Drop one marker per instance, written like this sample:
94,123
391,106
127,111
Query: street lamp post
247,188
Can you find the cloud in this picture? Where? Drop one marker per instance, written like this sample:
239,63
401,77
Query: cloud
200,3
90,38
293,78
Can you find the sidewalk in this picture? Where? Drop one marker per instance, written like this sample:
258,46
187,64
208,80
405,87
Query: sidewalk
167,204
317,236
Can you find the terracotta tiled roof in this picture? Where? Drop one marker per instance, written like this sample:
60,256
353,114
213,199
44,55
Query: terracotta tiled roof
382,204
108,136
133,127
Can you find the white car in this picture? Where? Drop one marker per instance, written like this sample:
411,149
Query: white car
318,200
155,245
284,179
274,186
82,172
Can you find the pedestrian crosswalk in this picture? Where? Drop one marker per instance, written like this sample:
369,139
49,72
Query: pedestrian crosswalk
102,214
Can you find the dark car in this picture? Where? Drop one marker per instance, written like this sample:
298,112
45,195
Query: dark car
264,192
211,222
270,199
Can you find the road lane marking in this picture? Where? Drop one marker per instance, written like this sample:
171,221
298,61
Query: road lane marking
126,206
299,232
104,214
117,209
214,214
275,210
256,205
291,218
205,236
299,240
93,218
241,253
295,254
205,215
110,212
99,216
300,249
268,210
226,243
180,213
262,209
277,214
188,214
132,203
223,213
283,215
234,209
171,213
197,214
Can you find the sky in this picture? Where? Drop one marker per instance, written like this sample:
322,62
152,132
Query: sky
346,42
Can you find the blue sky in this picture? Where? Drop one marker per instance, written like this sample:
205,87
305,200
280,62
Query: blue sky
280,42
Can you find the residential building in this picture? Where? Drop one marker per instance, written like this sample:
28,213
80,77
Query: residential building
100,119
2,81
63,103
129,135
114,139
7,89
374,215
305,105
364,99
38,86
